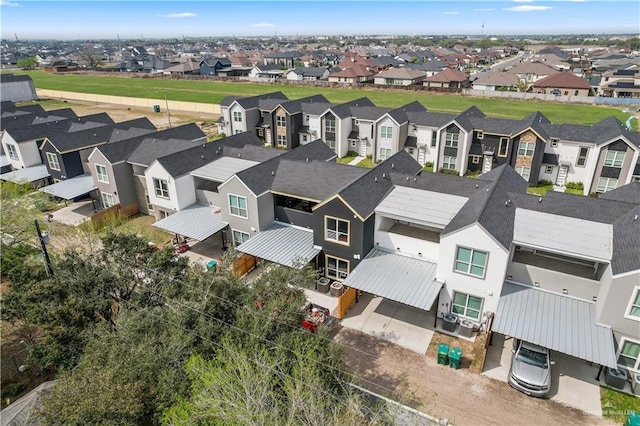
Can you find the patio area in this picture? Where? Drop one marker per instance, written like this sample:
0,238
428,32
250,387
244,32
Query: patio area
201,252
74,214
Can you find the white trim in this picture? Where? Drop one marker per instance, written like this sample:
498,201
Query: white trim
634,294
246,208
57,161
105,174
233,238
626,274
473,250
623,340
243,184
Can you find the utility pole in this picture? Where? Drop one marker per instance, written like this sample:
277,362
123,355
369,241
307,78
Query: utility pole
44,249
166,104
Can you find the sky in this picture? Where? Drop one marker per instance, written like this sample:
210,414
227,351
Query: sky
90,19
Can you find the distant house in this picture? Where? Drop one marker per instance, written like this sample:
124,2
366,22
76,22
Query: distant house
308,74
17,88
282,59
532,71
429,68
449,78
496,81
401,76
212,66
563,83
621,83
355,74
186,68
267,72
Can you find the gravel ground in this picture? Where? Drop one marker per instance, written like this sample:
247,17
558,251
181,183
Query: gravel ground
461,397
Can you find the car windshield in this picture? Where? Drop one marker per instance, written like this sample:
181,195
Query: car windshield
538,359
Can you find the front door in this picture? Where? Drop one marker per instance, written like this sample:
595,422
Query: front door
363,148
486,164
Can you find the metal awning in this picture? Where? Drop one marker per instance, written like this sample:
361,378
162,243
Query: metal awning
198,221
284,244
561,323
29,174
71,188
399,278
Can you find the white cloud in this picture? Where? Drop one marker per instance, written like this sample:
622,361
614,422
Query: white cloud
263,24
179,15
523,1
10,4
491,9
526,8
450,12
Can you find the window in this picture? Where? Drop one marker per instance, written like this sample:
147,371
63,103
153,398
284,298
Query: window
354,144
237,116
434,139
629,356
466,305
449,163
525,172
614,159
107,200
606,184
336,268
384,154
13,152
470,261
238,206
239,237
330,124
149,205
411,151
503,148
633,311
548,169
237,131
336,230
480,134
582,156
161,188
52,158
281,121
475,159
526,148
101,173
554,143
386,132
451,140
281,140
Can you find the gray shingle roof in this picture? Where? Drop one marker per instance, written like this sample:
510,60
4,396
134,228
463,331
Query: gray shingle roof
629,193
166,142
253,101
371,113
431,119
440,182
344,110
295,106
315,108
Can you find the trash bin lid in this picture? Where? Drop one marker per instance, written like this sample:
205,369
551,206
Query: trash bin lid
443,347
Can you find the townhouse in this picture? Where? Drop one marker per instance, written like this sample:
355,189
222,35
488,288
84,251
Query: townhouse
239,114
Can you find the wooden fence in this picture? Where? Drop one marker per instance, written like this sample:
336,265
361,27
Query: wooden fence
243,265
345,302
113,213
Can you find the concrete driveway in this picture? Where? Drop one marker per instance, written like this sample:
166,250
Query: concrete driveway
573,381
394,322
201,252
75,213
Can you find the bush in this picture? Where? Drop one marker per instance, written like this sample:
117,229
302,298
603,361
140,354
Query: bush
594,195
575,185
352,154
13,390
544,182
428,164
448,172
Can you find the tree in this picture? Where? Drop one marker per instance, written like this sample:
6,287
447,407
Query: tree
17,204
93,59
28,63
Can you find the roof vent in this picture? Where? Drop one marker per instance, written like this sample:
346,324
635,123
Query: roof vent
539,199
375,178
95,135
202,156
477,186
393,166
407,178
307,159
635,217
506,203
203,145
415,179
384,175
273,173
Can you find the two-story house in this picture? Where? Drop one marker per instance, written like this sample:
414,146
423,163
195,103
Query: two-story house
239,115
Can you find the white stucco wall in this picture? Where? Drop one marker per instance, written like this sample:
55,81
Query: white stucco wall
181,190
28,152
237,125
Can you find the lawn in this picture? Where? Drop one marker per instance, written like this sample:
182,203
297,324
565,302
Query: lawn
214,91
617,405
367,162
540,189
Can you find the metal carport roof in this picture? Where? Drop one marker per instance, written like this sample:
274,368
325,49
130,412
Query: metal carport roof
399,278
197,221
28,174
71,188
284,244
556,321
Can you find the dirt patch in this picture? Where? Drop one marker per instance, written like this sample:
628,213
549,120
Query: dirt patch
472,352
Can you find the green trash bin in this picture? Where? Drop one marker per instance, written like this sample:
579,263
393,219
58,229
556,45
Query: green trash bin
455,355
156,108
633,419
211,265
443,353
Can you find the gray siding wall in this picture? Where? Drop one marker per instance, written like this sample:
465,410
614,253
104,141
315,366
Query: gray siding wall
265,210
613,305
250,225
625,171
125,185
140,186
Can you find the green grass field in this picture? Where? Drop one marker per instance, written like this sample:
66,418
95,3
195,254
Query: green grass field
213,92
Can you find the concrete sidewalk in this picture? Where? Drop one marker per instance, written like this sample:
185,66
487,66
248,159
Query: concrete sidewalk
356,161
461,397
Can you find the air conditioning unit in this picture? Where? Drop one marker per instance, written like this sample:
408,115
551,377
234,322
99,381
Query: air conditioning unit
467,328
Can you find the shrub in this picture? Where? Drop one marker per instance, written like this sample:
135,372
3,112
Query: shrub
352,154
544,182
594,195
448,171
428,164
575,185
13,390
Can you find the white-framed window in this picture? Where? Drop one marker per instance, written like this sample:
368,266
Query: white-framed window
107,200
52,159
330,124
466,305
161,188
238,206
523,171
548,169
354,144
554,142
336,268
281,140
449,163
385,153
12,151
629,355
633,310
480,134
336,230
526,148
386,132
503,148
237,116
606,184
614,159
582,156
305,139
434,139
451,140
470,261
239,237
101,173
281,121
475,159
149,205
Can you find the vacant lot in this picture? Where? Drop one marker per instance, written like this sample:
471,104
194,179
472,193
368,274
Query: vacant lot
214,91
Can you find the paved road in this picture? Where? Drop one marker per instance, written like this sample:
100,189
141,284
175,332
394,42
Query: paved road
457,395
501,65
